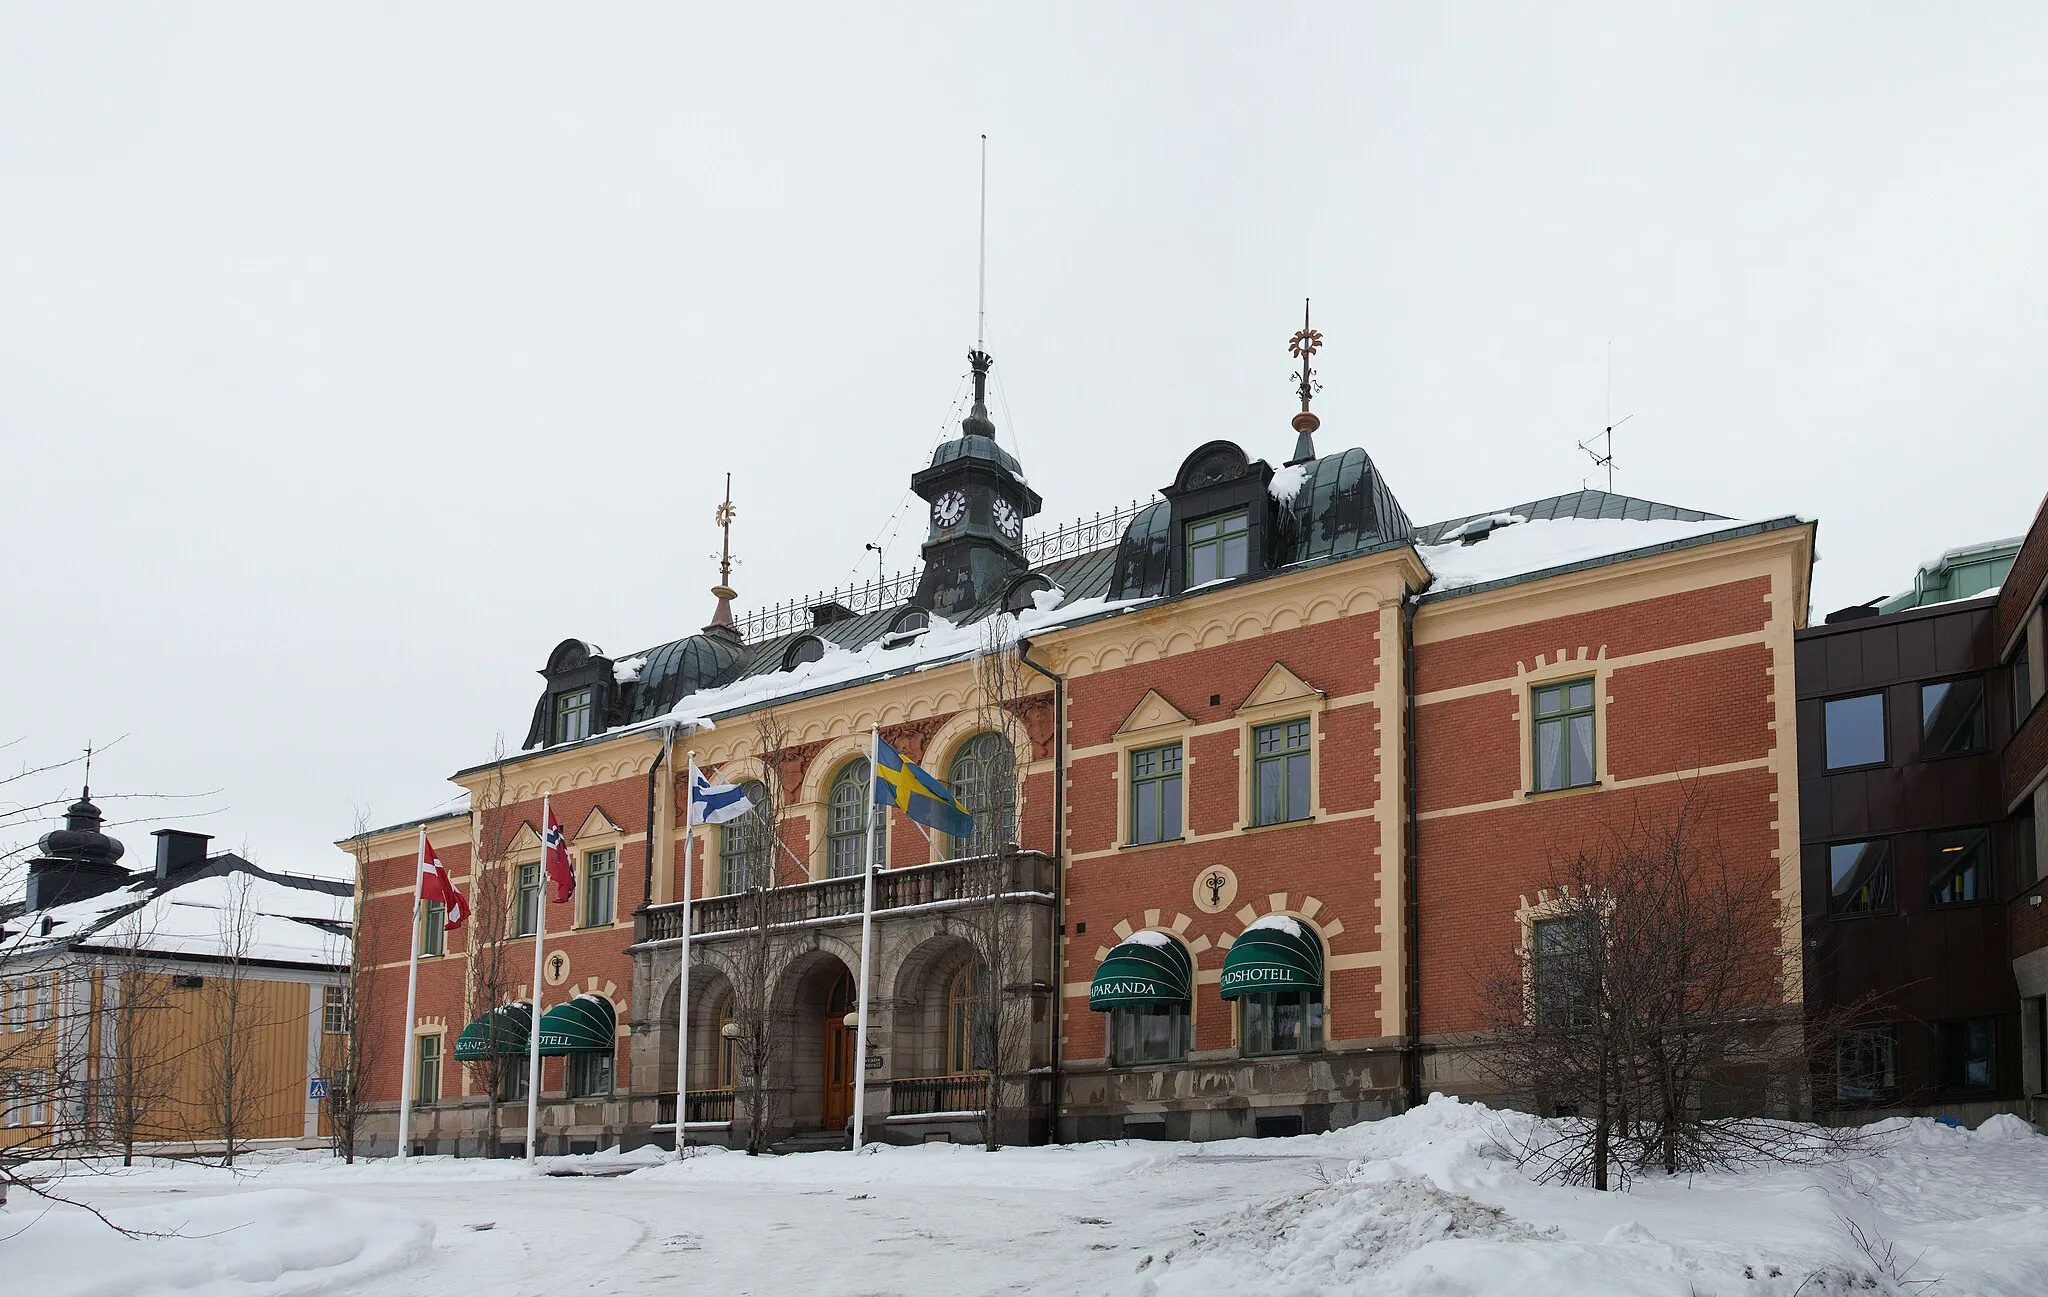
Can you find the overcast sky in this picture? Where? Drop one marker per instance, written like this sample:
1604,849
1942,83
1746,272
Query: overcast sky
351,358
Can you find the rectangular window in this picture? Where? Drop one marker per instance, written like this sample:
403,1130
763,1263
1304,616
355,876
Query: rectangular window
1959,867
1866,1063
1280,772
2022,670
1218,547
12,1086
1562,971
40,993
427,1079
1952,717
590,1075
17,1006
1963,1053
1155,794
600,886
1149,1033
334,1011
2027,853
511,1078
1854,731
433,937
38,1085
526,900
1282,1022
1564,735
1860,877
572,716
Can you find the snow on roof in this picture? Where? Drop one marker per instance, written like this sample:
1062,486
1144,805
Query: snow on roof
1527,548
944,642
1286,483
287,923
1149,937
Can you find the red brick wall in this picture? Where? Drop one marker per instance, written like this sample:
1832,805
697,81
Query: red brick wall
1471,753
1705,709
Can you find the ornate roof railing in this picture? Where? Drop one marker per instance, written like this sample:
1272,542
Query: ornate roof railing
1082,536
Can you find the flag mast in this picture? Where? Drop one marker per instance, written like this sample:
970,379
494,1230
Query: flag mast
683,985
540,928
412,993
876,814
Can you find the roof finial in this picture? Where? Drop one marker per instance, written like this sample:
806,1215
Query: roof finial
721,619
1303,347
977,423
86,795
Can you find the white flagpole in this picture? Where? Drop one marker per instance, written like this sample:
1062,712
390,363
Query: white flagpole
412,995
867,928
683,986
540,928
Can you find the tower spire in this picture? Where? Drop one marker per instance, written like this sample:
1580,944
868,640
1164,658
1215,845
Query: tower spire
722,623
977,423
1303,347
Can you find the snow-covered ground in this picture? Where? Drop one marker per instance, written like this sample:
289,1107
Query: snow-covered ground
1420,1204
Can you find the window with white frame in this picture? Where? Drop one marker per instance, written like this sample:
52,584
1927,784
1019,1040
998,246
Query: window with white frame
334,1011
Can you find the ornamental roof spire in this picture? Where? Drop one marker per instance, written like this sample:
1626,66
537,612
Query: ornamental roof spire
1303,347
722,623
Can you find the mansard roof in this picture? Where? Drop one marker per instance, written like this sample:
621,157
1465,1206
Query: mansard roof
1575,504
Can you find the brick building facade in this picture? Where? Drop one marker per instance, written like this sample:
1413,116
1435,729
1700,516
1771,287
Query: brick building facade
1308,763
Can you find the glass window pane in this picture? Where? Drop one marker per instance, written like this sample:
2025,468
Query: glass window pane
1959,867
1297,786
1581,768
1146,809
1582,694
1952,716
1270,807
1549,701
1860,877
1235,552
1549,755
1170,796
1854,729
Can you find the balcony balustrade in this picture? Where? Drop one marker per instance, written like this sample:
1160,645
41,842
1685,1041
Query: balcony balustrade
959,881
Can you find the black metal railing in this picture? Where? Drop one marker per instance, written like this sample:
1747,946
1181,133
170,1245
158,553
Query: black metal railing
1081,536
705,1105
920,1094
838,898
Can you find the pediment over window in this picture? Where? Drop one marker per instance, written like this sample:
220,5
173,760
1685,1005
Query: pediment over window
1279,686
526,840
1219,461
596,824
1152,712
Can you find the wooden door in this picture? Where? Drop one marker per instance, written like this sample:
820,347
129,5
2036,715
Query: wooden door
839,1065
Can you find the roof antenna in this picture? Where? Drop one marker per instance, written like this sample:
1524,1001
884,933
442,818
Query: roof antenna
1604,457
977,423
86,796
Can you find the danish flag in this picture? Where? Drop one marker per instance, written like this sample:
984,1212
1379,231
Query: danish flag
436,885
555,858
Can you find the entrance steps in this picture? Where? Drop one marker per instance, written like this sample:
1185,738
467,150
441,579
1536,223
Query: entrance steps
813,1141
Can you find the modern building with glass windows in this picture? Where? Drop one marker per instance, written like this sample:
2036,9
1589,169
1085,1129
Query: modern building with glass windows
1261,774
1921,771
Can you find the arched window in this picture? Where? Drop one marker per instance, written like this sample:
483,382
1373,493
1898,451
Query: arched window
967,1021
846,822
983,779
746,845
728,1046
808,648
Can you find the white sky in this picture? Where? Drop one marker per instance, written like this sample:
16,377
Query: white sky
351,358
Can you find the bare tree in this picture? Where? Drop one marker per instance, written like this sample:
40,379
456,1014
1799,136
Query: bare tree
136,1094
232,1011
349,1038
491,968
757,959
994,925
1652,1008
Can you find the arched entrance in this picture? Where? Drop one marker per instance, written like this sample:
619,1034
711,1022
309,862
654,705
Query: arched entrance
816,1089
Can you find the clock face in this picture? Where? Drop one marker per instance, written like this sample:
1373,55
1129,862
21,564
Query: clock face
950,508
1007,520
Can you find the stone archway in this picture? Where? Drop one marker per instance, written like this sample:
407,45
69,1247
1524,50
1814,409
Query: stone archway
923,1037
818,1052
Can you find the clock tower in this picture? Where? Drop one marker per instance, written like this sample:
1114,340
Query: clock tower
979,501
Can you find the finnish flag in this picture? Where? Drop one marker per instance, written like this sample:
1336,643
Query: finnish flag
715,803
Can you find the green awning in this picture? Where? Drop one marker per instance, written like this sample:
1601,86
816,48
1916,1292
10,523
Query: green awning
1147,968
501,1031
1274,954
584,1025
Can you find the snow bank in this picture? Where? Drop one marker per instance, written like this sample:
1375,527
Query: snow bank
264,1243
966,1165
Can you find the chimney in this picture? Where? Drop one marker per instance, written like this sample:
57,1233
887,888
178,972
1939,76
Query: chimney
178,849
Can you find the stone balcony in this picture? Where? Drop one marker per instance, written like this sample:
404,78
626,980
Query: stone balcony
1028,875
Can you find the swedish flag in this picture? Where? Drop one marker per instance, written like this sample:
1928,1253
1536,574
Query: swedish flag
910,788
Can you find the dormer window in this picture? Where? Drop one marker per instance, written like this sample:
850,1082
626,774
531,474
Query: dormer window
807,649
1219,547
572,715
907,626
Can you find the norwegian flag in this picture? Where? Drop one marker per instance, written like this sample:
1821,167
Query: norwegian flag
436,885
555,858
